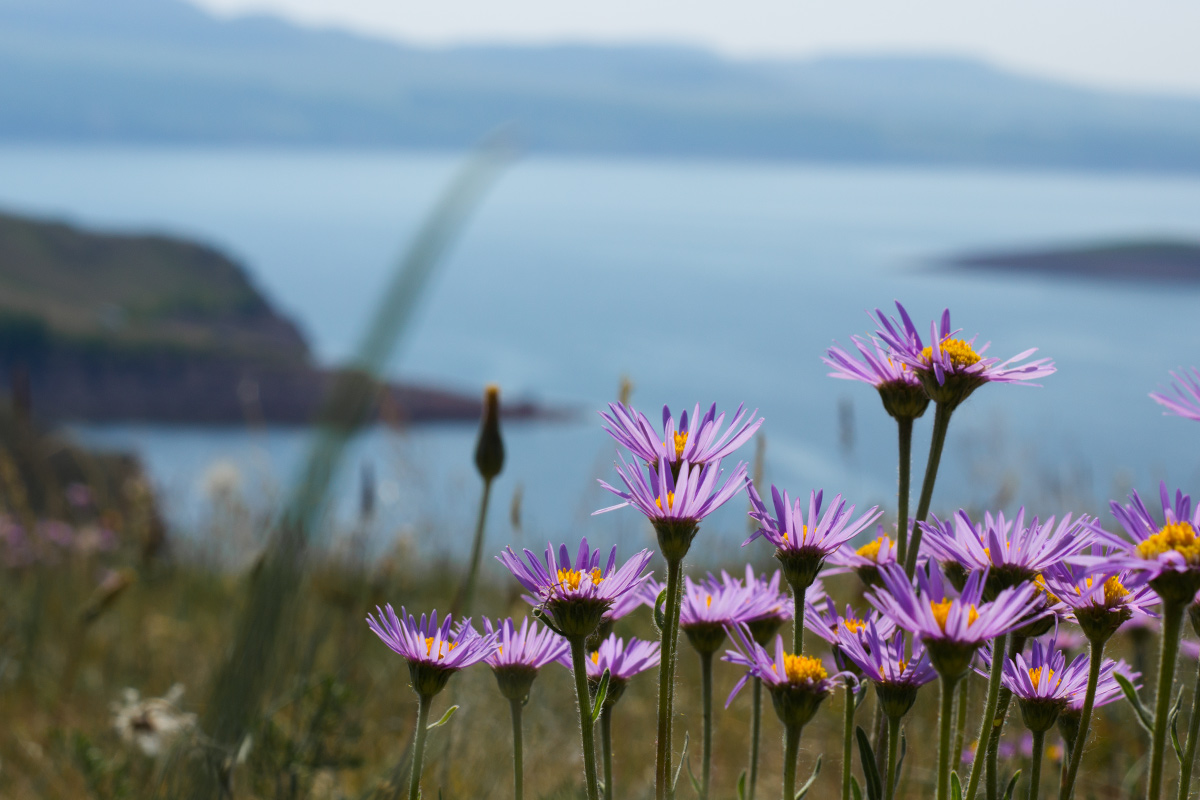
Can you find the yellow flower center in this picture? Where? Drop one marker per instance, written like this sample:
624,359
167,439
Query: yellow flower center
803,668
803,533
442,652
670,501
680,442
941,611
854,625
1178,536
708,601
1040,584
596,658
960,351
870,550
1114,591
1035,674
572,578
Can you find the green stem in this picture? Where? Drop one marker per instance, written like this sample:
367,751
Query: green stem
1189,749
905,426
585,717
706,691
893,747
1035,770
666,677
1095,661
518,751
791,749
946,722
671,686
467,595
414,781
989,712
847,741
755,730
1016,644
1172,618
941,423
798,594
606,750
960,722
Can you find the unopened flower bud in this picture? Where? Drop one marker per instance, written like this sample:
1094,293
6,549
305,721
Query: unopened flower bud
489,449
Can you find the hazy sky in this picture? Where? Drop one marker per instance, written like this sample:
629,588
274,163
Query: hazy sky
1145,44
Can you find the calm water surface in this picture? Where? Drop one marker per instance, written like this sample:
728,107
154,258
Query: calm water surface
698,281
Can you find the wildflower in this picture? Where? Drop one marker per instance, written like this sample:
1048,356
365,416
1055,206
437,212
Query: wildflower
802,543
1186,403
897,670
575,594
897,384
152,725
775,608
951,368
675,503
710,606
699,443
433,652
622,660
798,683
865,560
520,653
952,628
1099,602
1010,551
822,618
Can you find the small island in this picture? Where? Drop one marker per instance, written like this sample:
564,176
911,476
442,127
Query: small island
103,327
1159,260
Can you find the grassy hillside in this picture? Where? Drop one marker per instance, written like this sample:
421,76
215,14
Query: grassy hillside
58,282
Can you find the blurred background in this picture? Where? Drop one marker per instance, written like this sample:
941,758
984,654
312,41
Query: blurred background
201,204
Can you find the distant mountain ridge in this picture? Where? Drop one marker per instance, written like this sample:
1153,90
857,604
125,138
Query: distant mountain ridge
163,71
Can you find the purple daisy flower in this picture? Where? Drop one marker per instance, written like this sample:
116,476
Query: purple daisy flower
521,652
951,368
898,671
698,443
622,660
822,618
898,386
1010,550
575,594
1166,555
675,500
865,560
797,683
434,652
802,543
1099,602
709,606
776,604
1186,403
952,628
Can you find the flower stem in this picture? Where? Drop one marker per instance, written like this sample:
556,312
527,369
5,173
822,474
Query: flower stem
960,723
946,721
462,604
941,423
1035,770
991,769
1189,749
666,680
585,717
414,781
791,749
706,691
606,750
518,751
847,741
893,747
1172,618
989,711
755,731
905,426
798,594
1095,661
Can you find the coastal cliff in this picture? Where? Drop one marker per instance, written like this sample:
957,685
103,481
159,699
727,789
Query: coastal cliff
103,327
